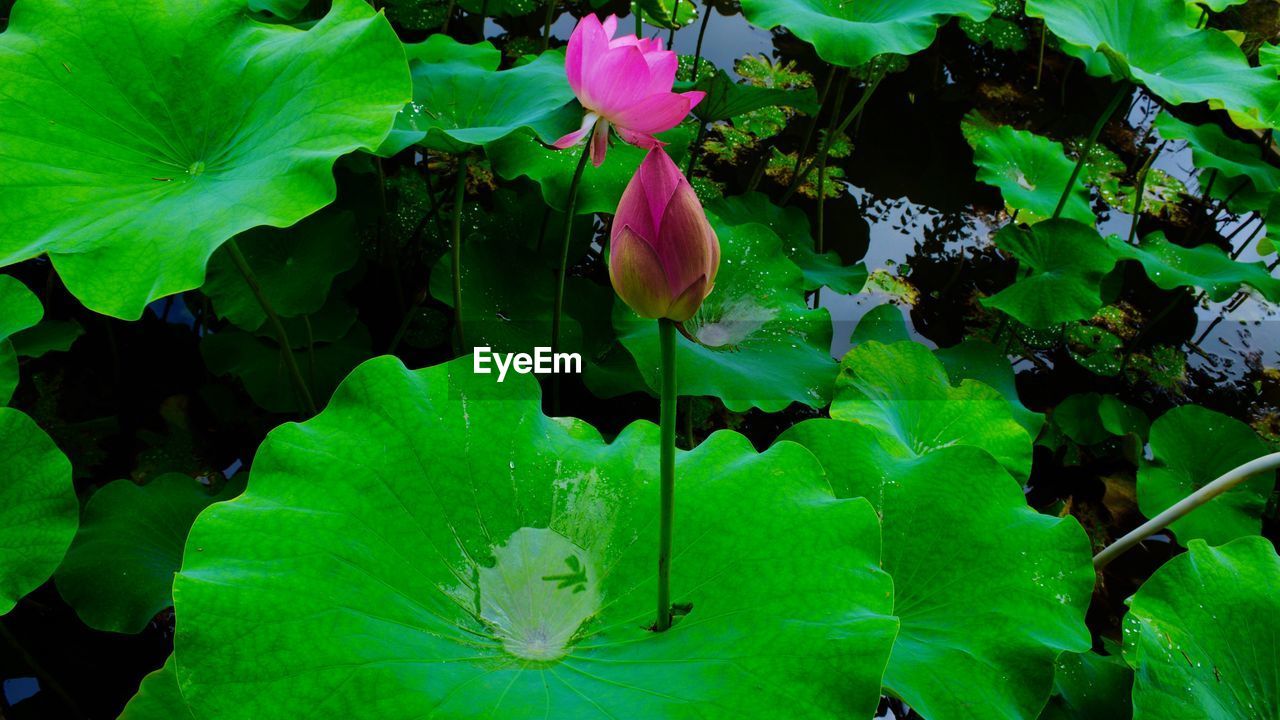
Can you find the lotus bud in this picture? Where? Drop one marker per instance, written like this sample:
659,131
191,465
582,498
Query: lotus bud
663,254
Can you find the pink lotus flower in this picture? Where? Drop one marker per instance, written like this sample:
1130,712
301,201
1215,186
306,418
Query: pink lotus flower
663,254
624,83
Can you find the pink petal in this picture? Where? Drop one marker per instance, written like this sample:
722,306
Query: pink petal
600,143
640,140
587,45
662,70
658,178
654,114
611,25
571,139
686,305
637,275
694,97
685,239
616,81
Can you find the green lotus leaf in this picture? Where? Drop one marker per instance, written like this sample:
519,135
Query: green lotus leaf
38,507
1236,163
46,337
461,100
759,344
508,293
974,359
462,554
850,34
158,697
1148,42
286,9
20,309
1090,686
523,154
903,391
119,571
257,362
1203,635
1096,349
295,267
1192,446
129,163
505,8
1092,418
1065,261
420,14
1205,266
883,324
1030,171
727,99
792,226
985,611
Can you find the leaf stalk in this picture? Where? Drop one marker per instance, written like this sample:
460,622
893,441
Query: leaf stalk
667,469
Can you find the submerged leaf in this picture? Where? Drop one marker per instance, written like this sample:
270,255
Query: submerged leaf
458,550
130,165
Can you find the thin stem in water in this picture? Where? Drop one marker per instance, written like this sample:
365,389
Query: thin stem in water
571,206
282,337
702,32
546,28
1266,463
797,181
1088,147
1139,190
459,202
667,467
813,121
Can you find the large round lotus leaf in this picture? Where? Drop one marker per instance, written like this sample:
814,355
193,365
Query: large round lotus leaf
461,100
727,99
1192,446
1236,163
523,154
1203,635
20,309
1205,266
295,267
980,360
851,33
759,344
1065,262
129,158
1031,171
158,697
1148,41
904,391
432,543
792,226
1090,686
987,605
119,571
38,507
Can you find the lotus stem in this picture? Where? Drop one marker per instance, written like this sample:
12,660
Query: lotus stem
667,468
571,206
459,201
546,28
448,15
1224,483
702,32
282,337
635,10
797,181
1139,189
1040,65
813,121
1088,147
693,150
